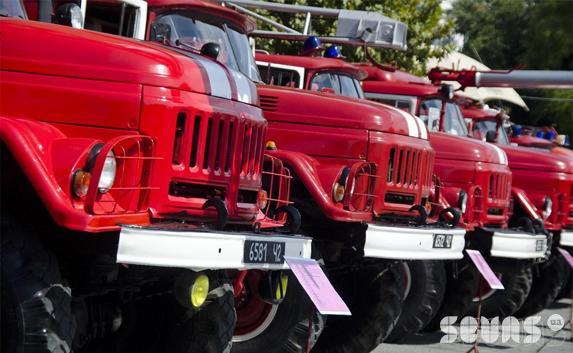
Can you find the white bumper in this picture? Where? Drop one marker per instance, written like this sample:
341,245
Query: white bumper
411,243
517,245
566,238
200,249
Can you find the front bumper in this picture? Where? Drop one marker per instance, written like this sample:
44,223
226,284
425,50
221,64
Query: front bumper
518,245
200,249
412,243
566,238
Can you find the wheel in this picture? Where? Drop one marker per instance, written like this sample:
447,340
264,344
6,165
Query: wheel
374,296
36,303
503,303
548,278
209,330
458,297
306,333
264,327
425,289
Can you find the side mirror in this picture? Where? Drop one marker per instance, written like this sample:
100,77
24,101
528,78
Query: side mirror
490,136
447,92
70,14
161,32
211,50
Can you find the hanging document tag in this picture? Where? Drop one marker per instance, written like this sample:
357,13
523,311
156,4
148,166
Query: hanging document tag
317,286
484,269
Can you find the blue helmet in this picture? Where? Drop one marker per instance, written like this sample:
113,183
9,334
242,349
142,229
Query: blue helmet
333,52
550,135
311,44
516,130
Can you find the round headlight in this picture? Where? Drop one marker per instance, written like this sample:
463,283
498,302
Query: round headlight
462,201
108,173
547,207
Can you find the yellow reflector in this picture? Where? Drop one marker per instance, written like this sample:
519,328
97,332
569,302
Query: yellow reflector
279,295
263,199
81,183
338,192
199,290
271,145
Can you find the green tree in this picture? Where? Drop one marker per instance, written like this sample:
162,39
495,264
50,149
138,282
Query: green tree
424,19
534,34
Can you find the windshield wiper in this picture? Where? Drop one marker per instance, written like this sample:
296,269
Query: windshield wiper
180,44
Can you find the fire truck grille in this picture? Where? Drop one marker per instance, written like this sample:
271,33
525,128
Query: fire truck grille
217,142
409,167
499,186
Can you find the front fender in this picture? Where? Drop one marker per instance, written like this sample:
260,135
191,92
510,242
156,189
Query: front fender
318,180
47,157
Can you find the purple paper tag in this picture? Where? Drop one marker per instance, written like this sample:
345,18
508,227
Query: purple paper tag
317,286
484,269
567,256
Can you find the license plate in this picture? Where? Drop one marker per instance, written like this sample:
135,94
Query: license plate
264,252
443,241
539,244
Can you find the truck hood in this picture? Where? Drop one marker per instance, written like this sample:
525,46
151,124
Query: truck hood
466,149
535,159
305,107
48,49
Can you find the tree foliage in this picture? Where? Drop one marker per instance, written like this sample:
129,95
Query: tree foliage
533,34
423,18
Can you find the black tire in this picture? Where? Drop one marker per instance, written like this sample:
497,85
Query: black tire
458,297
209,330
424,297
374,296
504,303
280,335
36,303
548,278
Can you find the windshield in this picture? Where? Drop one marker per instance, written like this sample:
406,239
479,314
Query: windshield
338,83
244,54
12,8
481,128
235,51
453,120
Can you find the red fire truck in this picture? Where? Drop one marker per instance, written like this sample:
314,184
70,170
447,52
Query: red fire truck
334,128
511,241
135,187
547,178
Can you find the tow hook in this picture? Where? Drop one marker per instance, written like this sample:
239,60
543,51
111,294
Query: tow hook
455,219
422,214
273,287
294,220
222,213
191,289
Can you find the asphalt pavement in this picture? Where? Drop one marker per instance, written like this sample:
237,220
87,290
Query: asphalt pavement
551,337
